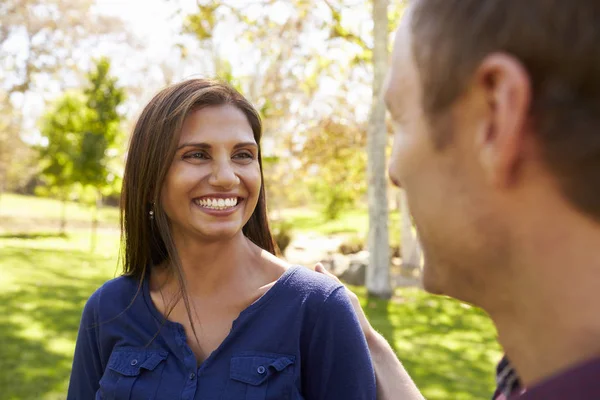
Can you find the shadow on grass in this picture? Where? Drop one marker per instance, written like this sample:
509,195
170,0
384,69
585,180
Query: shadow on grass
377,312
39,319
449,349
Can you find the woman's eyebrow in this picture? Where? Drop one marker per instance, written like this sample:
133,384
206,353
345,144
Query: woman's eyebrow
198,145
206,146
245,144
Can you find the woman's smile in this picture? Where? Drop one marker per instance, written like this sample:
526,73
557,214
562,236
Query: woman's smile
218,205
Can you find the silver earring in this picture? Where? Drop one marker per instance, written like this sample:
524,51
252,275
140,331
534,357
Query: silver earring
151,213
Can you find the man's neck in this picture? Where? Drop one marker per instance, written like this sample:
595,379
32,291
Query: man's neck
551,322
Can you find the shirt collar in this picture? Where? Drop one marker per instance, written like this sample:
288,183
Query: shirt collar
507,380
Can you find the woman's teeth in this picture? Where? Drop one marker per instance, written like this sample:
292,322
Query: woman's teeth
217,204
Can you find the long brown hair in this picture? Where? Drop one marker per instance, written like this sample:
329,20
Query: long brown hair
146,242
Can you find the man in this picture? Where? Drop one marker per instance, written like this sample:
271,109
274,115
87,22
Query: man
497,107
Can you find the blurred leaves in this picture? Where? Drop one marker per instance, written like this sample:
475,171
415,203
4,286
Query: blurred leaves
202,24
47,32
82,136
61,128
102,137
334,151
39,40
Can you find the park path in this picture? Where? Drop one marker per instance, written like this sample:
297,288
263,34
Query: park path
308,249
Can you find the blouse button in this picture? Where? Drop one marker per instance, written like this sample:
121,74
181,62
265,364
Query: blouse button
192,376
134,362
261,370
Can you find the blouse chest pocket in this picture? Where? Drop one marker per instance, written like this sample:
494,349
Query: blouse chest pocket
262,376
129,367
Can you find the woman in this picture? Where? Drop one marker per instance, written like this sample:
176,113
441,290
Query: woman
204,309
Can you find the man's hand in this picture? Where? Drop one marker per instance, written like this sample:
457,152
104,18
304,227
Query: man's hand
393,382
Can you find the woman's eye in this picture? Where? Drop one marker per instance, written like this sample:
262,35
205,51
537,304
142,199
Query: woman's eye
245,155
199,155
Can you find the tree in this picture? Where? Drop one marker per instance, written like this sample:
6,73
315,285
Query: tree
48,32
339,179
61,129
10,142
100,141
378,279
82,135
411,248
384,18
39,40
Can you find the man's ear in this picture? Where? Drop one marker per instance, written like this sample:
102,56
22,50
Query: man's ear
506,88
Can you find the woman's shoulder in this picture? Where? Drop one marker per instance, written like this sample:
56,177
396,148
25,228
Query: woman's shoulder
308,284
299,279
116,293
320,300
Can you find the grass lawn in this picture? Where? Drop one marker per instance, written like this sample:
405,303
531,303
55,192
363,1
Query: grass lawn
448,348
34,213
44,283
355,221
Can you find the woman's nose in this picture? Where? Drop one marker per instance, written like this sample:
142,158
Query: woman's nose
223,175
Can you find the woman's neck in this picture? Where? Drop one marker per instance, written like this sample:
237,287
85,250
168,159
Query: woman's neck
208,267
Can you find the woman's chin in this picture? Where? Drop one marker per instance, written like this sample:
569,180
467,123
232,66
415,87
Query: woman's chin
218,232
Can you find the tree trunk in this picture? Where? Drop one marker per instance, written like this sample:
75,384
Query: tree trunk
2,183
411,248
378,273
63,215
94,235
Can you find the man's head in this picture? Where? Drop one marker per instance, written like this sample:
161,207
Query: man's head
497,106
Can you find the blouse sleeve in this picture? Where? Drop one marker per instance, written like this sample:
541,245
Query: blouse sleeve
87,367
338,365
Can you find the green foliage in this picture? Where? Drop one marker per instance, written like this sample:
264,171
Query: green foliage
282,233
395,11
334,198
335,151
61,127
352,244
18,161
202,24
83,138
102,137
225,73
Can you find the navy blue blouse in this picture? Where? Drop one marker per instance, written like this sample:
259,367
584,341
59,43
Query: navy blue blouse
301,340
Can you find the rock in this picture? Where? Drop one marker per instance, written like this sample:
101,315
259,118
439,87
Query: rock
309,249
356,273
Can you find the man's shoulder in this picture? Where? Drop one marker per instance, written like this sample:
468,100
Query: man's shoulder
578,382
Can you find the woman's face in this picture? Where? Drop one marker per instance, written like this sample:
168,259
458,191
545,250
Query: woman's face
214,181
